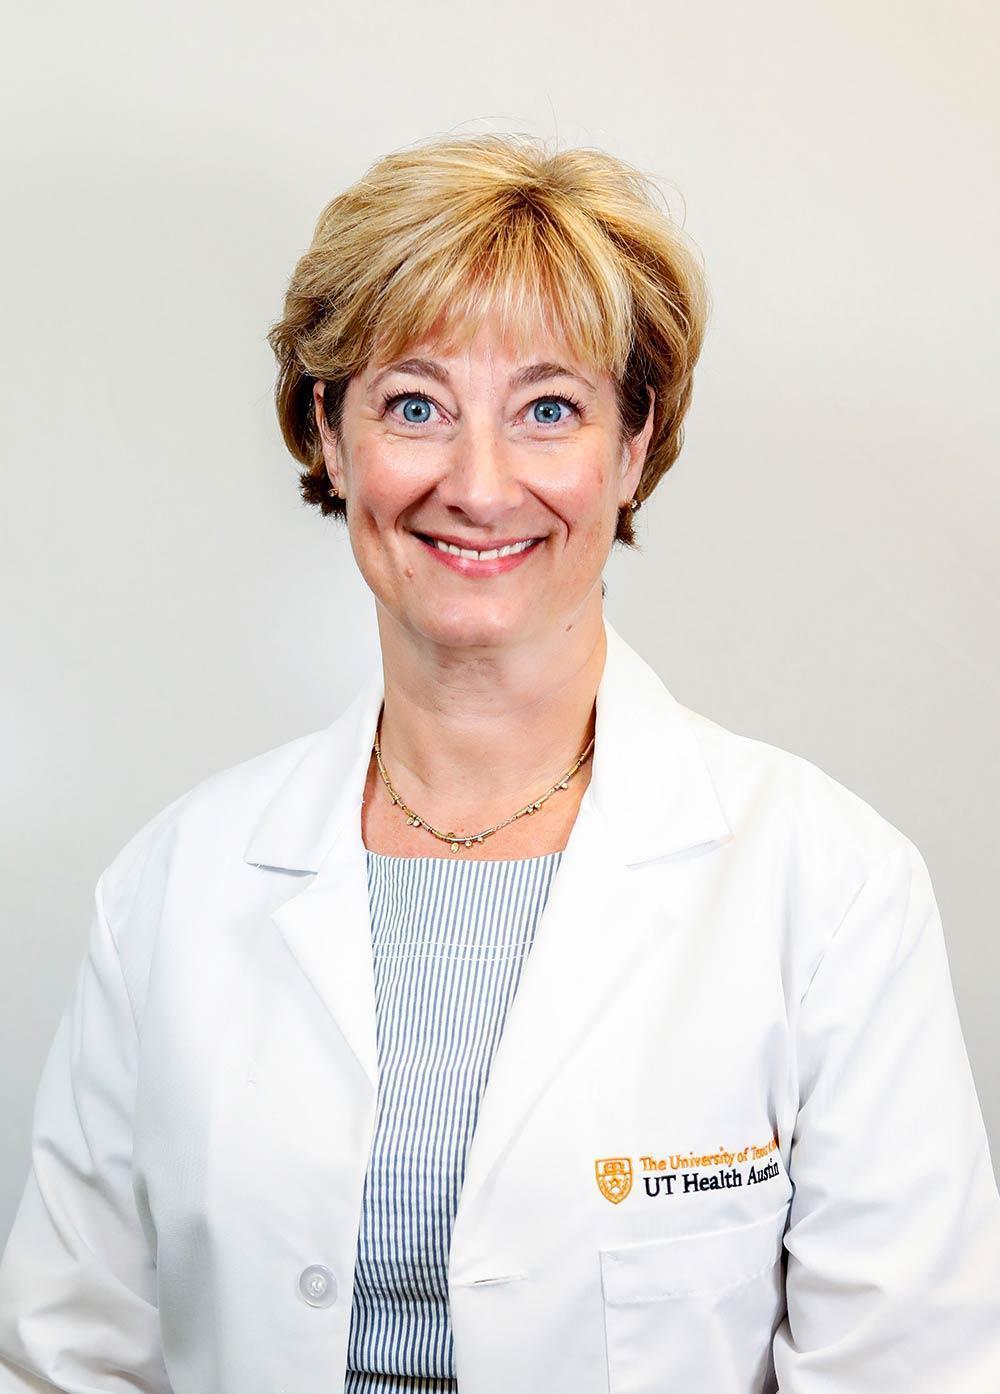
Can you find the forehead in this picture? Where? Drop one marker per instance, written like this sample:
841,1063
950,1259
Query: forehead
525,350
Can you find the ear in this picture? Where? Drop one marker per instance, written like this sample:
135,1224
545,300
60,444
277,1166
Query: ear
329,441
636,449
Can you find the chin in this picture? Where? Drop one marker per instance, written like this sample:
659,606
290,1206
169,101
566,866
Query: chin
472,629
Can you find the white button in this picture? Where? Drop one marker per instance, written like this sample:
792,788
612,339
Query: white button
318,1285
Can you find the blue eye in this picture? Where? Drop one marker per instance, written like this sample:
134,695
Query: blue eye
546,404
416,407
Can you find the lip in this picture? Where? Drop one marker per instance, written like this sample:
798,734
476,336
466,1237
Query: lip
486,546
473,566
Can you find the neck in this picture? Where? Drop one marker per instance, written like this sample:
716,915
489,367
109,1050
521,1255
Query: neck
467,735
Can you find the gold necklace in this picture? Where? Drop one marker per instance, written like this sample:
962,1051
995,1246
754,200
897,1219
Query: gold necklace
455,839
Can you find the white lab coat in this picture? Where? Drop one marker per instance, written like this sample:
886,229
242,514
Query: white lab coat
730,1140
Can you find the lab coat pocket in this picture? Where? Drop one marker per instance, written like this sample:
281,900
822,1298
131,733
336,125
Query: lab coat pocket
695,1310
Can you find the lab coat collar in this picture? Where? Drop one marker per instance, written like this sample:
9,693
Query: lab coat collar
649,782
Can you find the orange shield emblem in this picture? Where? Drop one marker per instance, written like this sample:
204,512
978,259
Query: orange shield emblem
614,1177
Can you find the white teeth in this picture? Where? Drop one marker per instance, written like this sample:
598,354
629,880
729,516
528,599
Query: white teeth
484,556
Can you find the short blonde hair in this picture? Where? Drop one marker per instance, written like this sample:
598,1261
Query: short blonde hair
435,236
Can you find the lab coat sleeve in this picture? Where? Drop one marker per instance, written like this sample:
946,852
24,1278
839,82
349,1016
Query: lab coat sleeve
893,1239
77,1279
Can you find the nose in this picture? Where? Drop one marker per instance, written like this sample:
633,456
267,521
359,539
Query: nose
481,477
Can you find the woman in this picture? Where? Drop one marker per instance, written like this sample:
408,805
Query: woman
522,1030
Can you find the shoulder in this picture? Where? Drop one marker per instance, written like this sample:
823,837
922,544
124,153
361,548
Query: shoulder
797,827
756,779
216,815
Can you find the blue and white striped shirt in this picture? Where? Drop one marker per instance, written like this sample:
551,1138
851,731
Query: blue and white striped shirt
449,940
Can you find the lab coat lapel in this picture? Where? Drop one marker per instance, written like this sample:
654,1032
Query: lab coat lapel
311,830
650,796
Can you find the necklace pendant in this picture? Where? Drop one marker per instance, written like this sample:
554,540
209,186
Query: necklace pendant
454,846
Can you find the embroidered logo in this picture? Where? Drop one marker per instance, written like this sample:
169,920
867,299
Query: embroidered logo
684,1173
614,1177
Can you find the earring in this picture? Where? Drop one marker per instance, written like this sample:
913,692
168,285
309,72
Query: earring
335,491
635,504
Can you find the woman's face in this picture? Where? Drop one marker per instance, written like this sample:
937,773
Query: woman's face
482,450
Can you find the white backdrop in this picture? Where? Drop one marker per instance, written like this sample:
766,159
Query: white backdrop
819,570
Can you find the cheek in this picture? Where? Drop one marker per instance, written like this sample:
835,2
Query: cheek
586,497
387,477
589,506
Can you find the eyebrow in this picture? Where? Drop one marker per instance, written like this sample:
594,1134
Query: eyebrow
427,367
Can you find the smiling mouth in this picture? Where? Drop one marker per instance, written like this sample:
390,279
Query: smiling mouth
473,554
